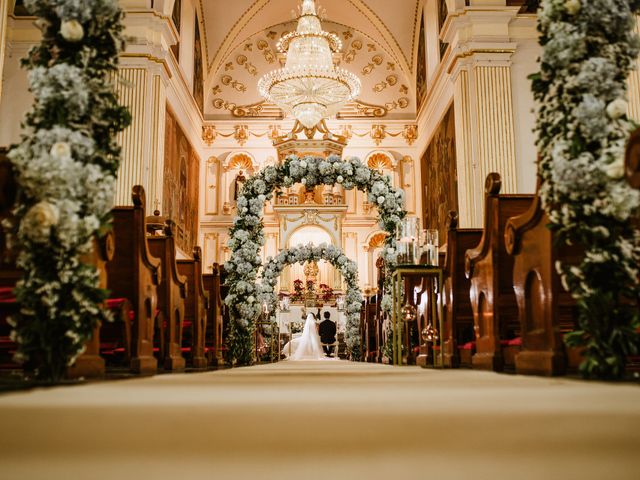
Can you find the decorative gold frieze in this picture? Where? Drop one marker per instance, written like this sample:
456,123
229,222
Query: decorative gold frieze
241,134
209,134
378,133
410,134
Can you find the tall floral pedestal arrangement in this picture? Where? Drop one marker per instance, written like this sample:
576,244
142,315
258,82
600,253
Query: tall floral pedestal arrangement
65,167
589,47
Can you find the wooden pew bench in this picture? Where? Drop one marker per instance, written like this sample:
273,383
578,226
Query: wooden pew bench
195,311
458,336
546,310
172,292
215,316
133,274
490,270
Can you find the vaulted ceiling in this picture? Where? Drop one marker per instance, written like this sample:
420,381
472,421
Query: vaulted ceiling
380,43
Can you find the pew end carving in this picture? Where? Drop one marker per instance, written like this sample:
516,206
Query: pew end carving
134,274
490,270
172,292
458,331
196,309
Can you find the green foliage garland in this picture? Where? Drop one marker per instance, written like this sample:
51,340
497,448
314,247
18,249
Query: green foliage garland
588,50
65,167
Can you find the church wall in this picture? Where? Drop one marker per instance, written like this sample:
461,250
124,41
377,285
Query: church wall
181,179
524,63
16,99
439,178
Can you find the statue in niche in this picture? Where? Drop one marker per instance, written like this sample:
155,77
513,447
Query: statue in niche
239,183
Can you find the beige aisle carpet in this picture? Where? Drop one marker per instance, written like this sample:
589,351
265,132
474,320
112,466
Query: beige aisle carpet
324,420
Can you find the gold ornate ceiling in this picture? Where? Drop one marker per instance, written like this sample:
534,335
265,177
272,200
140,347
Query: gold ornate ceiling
379,45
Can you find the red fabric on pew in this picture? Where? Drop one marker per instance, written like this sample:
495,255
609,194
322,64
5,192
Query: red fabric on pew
467,346
6,295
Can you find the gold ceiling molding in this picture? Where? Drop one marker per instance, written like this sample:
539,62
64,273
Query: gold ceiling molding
376,60
350,55
228,81
266,50
359,109
255,110
475,51
242,133
243,61
149,57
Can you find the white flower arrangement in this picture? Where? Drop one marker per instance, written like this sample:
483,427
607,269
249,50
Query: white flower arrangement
65,167
310,253
588,50
246,236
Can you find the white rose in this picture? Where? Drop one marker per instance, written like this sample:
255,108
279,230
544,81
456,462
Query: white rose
381,199
617,108
572,6
303,164
303,181
340,179
61,151
39,220
72,31
615,169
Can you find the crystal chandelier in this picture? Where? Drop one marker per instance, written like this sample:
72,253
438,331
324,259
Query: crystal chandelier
309,86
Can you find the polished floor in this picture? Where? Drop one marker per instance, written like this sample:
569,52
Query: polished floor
324,420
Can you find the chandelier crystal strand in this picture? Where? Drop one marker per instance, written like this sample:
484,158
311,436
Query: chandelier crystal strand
309,87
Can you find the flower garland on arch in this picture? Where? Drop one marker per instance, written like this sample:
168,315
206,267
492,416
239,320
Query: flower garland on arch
588,50
246,234
65,168
310,253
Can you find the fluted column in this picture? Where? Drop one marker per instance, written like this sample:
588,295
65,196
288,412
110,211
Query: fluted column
4,13
466,167
634,85
142,88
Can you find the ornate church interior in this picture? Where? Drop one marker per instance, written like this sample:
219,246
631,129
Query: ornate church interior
307,238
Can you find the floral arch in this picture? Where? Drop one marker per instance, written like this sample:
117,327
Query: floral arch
312,253
247,234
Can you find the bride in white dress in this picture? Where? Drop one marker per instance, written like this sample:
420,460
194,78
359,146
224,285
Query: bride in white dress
307,346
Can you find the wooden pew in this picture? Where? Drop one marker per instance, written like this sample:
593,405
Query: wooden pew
490,269
172,292
457,336
196,309
88,365
370,337
546,310
632,172
134,274
9,273
215,323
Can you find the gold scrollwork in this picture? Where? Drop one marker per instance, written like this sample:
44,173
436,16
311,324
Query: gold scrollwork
263,46
242,60
228,80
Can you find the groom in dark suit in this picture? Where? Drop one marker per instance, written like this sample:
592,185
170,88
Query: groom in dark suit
327,332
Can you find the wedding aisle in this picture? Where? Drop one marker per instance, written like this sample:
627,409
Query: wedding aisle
319,420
